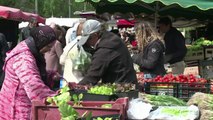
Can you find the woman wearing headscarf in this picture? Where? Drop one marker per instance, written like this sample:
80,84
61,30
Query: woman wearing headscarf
25,75
151,49
71,50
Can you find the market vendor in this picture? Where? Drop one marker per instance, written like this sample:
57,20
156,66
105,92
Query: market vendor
175,45
111,60
150,58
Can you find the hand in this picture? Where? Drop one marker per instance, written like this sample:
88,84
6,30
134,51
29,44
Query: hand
56,76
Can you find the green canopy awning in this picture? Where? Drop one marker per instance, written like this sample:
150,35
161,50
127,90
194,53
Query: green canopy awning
190,9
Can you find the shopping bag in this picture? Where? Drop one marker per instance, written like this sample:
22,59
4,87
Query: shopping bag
81,62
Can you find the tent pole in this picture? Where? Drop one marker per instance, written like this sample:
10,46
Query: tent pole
69,8
36,6
156,13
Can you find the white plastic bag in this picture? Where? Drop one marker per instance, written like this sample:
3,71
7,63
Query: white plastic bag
81,62
138,109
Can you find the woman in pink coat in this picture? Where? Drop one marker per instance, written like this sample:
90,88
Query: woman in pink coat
25,75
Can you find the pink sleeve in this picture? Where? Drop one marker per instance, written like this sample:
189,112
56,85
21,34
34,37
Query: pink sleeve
28,74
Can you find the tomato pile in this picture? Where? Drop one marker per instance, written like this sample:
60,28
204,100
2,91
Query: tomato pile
170,78
179,79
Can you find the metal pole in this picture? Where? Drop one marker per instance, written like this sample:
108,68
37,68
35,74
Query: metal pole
36,6
156,13
69,9
85,6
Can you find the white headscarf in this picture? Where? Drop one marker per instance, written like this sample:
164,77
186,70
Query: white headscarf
71,33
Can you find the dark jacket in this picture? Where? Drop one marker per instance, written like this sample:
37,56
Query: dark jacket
25,33
151,59
175,46
111,62
3,49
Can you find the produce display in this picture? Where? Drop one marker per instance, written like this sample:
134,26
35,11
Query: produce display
177,79
103,89
199,43
175,113
162,100
109,89
204,103
67,111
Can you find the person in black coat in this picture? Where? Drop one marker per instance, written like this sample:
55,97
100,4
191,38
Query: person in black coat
175,45
111,60
3,48
151,56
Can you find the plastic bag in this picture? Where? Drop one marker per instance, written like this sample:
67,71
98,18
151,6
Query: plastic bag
175,113
138,109
81,62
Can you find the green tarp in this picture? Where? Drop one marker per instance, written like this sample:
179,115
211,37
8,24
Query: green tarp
190,9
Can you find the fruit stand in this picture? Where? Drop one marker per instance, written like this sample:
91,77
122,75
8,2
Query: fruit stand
169,97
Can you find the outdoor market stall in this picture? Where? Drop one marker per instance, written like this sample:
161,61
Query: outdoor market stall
169,97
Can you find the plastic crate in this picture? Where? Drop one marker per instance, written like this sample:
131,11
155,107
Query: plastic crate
40,111
208,52
130,94
94,97
194,55
178,90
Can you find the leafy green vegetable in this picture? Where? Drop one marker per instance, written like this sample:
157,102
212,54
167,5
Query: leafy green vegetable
67,110
77,99
103,89
99,118
162,100
175,111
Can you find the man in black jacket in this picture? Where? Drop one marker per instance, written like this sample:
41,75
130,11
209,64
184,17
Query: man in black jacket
111,60
25,32
3,48
175,46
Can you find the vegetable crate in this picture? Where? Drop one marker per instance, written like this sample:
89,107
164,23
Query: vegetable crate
194,55
178,90
40,111
98,97
93,97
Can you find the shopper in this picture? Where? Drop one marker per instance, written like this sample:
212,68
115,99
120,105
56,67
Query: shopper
150,58
3,48
25,75
25,32
71,50
52,57
111,61
175,45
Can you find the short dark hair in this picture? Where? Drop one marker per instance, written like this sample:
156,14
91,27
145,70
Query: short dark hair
165,21
33,20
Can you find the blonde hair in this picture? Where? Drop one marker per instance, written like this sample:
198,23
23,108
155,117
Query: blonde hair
145,34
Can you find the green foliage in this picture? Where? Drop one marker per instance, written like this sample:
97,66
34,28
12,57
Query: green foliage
199,43
67,111
77,99
7,2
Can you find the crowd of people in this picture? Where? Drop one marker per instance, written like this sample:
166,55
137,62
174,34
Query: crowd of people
33,69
